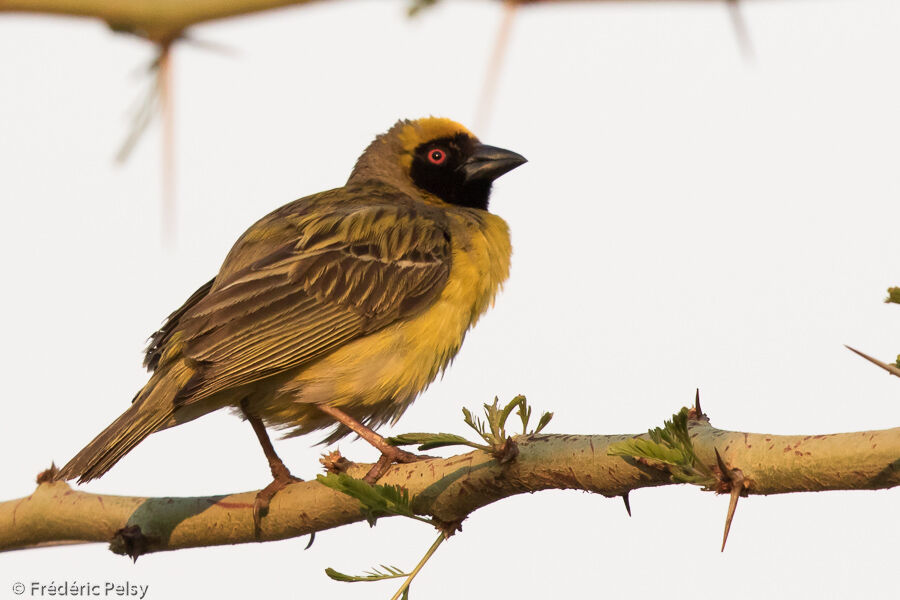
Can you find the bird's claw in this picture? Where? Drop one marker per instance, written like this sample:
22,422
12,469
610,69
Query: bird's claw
389,457
265,495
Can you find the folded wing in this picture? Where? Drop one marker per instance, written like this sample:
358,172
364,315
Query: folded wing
345,272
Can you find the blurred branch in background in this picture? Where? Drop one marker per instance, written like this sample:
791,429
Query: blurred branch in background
160,21
165,22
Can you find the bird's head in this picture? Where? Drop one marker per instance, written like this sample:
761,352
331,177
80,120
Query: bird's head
437,156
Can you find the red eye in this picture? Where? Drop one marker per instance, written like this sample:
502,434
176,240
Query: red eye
436,156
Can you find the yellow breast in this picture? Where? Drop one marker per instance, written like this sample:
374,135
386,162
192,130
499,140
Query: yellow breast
376,377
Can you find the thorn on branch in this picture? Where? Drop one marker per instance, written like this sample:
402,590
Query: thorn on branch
448,528
892,369
48,475
131,541
312,538
627,503
731,481
695,413
507,452
335,463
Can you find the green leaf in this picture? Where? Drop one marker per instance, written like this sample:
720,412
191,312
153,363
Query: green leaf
525,416
474,422
373,575
672,446
648,449
544,421
494,434
419,5
493,414
377,500
518,401
428,441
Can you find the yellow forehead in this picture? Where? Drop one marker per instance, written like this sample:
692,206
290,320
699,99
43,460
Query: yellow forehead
420,131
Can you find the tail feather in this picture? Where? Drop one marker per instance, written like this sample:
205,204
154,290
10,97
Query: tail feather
151,411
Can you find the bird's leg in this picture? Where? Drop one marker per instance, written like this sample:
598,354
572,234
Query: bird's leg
389,454
281,476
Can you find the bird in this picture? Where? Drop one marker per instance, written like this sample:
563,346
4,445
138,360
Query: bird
334,310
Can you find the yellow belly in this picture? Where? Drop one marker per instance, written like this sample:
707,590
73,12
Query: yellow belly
376,377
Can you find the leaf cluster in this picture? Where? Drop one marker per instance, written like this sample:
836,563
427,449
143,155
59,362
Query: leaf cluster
669,446
491,429
376,500
382,500
373,574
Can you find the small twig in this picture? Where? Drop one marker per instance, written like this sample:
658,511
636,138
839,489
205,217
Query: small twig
440,539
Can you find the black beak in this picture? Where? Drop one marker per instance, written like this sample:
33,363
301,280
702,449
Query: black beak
488,163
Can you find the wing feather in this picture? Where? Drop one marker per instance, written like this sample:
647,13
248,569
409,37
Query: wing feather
343,274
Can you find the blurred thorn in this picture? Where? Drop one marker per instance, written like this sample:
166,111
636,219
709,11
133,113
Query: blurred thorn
741,31
495,65
312,538
214,47
892,369
158,97
143,111
164,77
627,503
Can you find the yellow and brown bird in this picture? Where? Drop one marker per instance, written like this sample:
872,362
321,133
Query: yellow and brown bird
336,309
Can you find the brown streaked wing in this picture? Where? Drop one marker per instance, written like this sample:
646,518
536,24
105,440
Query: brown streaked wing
376,265
256,243
156,346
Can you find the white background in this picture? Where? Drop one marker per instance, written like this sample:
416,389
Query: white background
686,220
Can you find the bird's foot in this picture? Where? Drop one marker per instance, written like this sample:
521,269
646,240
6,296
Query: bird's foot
281,478
390,456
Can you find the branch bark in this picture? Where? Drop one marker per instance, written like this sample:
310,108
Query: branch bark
447,489
165,20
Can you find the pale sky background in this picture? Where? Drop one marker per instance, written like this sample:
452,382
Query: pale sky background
686,220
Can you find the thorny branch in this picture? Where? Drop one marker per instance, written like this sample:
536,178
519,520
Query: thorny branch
449,489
